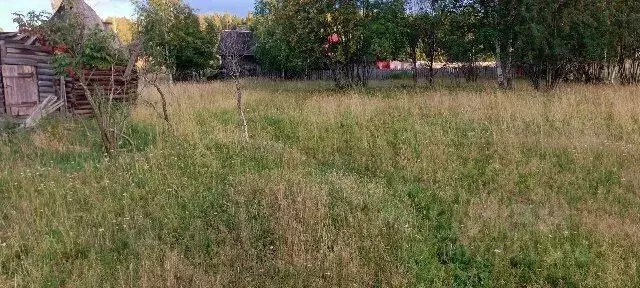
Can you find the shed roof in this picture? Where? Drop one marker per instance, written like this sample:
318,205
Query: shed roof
19,38
89,17
237,42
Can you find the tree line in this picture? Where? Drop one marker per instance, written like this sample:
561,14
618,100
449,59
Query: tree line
550,41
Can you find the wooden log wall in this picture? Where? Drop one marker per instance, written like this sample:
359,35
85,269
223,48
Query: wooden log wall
21,49
2,53
2,108
18,54
101,79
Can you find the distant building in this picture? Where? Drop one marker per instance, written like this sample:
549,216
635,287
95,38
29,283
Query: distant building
238,46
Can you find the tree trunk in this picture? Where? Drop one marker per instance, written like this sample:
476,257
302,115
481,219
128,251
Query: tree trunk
508,73
501,80
414,61
109,139
163,99
432,55
243,119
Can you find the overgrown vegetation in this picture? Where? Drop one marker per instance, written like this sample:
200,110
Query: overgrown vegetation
464,186
460,185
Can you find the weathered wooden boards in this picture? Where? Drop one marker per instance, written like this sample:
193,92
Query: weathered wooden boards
20,50
2,108
21,89
123,89
2,105
46,107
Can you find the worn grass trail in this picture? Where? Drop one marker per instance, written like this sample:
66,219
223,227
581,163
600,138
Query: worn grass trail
384,187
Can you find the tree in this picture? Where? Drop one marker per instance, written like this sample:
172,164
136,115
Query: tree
233,47
124,28
348,47
344,36
425,19
291,36
413,32
462,39
499,28
224,21
624,41
386,29
430,16
553,39
173,39
212,33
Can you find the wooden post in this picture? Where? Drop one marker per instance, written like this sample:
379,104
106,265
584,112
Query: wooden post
63,95
3,51
3,54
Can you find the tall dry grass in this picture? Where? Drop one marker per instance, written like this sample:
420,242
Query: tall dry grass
461,185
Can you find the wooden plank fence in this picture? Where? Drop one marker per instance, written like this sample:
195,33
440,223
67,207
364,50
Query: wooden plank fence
482,72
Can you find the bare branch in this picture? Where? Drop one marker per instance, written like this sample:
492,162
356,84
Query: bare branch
234,46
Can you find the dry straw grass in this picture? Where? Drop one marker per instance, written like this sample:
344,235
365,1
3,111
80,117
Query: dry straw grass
461,186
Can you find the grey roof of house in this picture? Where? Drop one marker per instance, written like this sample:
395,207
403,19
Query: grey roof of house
237,42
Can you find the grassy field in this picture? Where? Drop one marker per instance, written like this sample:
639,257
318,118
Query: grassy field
460,186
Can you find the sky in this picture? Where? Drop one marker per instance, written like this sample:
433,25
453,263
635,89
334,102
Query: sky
106,8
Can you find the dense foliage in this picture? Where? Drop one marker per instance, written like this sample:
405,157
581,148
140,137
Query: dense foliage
173,39
179,41
593,41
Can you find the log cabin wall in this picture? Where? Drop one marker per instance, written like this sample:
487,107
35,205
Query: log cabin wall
124,90
2,52
2,109
24,50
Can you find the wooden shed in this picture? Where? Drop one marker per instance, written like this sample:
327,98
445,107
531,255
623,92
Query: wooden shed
240,44
27,77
